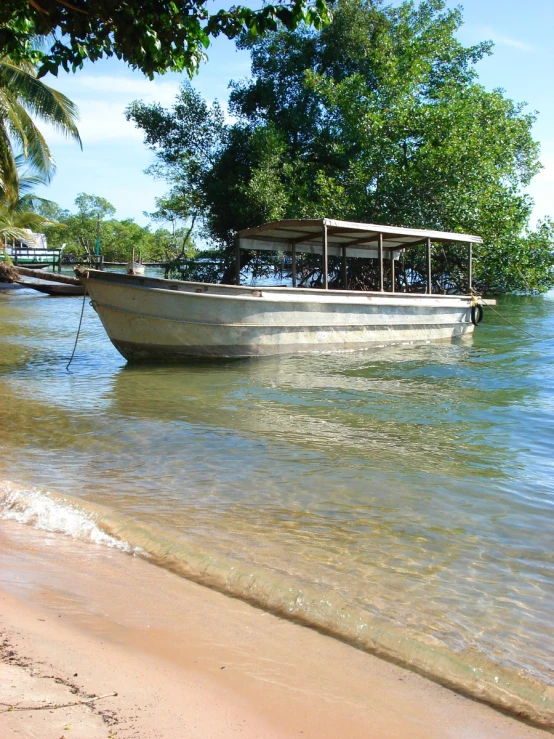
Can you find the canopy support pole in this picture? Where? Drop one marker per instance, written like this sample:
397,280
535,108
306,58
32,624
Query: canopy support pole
429,283
293,258
393,276
344,269
470,266
325,256
380,255
237,261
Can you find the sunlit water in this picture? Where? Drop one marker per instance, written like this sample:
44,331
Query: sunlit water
410,489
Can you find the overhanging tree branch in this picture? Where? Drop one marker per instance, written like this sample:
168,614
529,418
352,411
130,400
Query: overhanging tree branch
164,35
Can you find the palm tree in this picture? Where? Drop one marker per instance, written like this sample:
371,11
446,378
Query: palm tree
23,97
19,217
16,225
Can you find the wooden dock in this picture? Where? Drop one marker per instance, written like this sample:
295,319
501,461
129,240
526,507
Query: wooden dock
33,257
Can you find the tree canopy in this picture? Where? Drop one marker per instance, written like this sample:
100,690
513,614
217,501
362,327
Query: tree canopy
153,36
378,117
118,238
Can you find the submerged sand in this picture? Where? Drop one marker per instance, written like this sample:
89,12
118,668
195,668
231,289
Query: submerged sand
80,620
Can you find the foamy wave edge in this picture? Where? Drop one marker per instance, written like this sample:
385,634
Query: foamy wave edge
50,512
329,613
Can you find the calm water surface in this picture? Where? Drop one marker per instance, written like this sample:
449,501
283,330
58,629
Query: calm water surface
408,491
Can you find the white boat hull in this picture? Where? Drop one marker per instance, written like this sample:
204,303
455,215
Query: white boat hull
134,268
148,318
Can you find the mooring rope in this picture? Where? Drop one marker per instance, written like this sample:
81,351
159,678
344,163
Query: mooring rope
498,313
78,332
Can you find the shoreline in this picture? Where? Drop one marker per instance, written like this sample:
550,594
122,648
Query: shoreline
186,661
328,613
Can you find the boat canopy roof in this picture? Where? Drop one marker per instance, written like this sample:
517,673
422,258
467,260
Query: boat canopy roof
359,239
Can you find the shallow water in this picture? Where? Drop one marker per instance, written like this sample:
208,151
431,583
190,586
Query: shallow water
402,498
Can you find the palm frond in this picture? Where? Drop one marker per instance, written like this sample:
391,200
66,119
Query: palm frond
8,170
24,223
35,149
34,221
8,232
22,98
30,202
40,99
27,183
28,176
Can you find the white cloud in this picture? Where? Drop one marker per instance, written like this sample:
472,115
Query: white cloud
131,88
502,40
100,121
102,100
542,187
105,121
513,42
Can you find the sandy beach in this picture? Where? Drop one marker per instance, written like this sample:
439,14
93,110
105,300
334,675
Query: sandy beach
172,659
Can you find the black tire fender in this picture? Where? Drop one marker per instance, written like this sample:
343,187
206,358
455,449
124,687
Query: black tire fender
476,314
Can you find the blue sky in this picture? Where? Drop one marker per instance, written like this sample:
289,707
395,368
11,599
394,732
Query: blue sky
113,159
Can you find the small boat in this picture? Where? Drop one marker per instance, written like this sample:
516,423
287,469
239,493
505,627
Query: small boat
149,318
135,267
54,288
44,282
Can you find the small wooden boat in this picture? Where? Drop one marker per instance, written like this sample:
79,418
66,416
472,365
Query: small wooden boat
149,318
54,288
50,283
135,267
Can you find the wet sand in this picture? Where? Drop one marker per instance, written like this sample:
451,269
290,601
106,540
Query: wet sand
80,620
